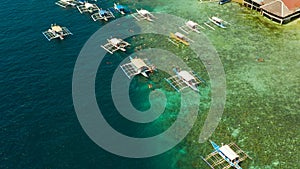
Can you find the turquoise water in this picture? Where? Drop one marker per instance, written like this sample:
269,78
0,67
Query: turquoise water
39,127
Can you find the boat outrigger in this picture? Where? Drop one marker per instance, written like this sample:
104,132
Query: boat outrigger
143,15
66,3
115,44
102,14
87,7
184,79
120,8
137,66
217,21
225,157
177,38
191,26
56,31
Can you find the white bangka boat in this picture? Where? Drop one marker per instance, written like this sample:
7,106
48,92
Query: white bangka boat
102,14
184,79
115,44
66,3
191,26
87,7
225,157
217,21
143,15
137,66
56,31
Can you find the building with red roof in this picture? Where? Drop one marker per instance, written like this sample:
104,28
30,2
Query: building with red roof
281,11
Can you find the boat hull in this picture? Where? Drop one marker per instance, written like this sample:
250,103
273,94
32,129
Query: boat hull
221,2
173,36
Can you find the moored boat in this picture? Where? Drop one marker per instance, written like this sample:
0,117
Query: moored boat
218,21
178,37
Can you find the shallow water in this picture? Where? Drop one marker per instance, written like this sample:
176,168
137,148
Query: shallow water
262,107
39,128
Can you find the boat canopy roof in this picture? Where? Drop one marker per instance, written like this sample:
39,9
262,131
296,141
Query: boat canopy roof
138,63
115,41
186,75
144,12
88,5
191,24
217,19
56,28
179,35
228,152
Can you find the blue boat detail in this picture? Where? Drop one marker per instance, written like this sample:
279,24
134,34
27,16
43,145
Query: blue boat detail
230,153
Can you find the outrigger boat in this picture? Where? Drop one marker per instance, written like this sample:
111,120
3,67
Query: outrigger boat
184,79
66,3
102,14
225,157
115,44
120,8
143,15
137,66
177,38
221,2
87,7
191,26
56,31
217,21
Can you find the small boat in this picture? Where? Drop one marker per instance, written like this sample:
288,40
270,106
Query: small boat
115,44
102,14
221,2
219,22
184,79
120,8
177,37
66,3
137,66
143,14
187,78
87,7
56,31
191,26
230,153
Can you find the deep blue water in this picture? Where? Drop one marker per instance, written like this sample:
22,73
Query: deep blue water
38,124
